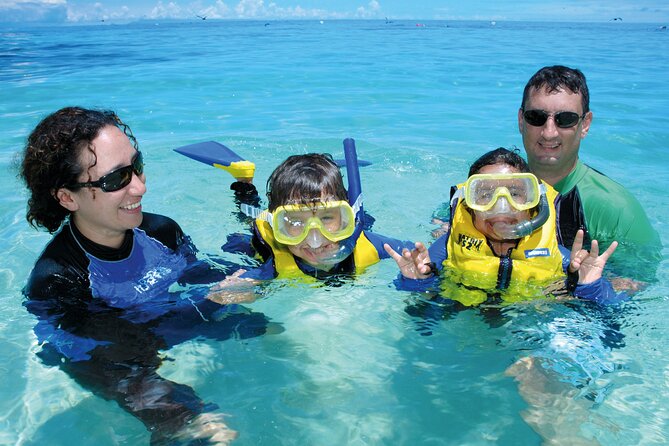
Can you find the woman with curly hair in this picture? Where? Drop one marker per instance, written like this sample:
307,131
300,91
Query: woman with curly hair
100,288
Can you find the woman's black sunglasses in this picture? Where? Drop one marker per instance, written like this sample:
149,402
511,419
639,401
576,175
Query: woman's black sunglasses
116,179
564,119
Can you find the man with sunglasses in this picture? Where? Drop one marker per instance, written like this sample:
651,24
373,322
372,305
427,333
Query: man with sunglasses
553,119
101,288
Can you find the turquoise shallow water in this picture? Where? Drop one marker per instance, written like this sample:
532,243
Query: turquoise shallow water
354,365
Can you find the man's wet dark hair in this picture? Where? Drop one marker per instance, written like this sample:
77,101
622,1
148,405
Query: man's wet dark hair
559,77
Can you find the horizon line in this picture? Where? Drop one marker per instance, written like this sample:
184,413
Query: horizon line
312,19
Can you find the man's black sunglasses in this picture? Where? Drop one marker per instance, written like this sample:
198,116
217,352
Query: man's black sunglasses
116,179
564,119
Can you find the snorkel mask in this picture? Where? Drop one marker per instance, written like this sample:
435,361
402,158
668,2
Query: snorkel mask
508,194
318,224
294,223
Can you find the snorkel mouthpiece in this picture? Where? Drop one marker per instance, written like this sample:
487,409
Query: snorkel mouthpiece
527,227
338,255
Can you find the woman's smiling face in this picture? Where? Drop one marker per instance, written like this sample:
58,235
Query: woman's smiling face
103,217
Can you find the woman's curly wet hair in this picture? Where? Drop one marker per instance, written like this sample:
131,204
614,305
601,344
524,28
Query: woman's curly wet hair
51,159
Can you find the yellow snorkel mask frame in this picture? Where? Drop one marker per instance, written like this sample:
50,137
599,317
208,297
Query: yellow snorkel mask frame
521,190
291,223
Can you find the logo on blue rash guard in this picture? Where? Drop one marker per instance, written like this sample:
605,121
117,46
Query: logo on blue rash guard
140,281
151,278
539,252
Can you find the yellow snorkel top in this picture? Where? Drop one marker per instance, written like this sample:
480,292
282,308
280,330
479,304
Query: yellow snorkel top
239,169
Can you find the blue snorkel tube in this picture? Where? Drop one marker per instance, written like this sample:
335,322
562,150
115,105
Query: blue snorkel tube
354,193
353,176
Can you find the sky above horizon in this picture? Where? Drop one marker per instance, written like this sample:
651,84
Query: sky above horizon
78,11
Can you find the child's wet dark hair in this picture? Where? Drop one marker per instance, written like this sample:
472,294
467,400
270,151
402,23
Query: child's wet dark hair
500,156
305,179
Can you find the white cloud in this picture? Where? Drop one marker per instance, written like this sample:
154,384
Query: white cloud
105,10
97,10
564,10
33,11
218,11
5,3
250,8
298,12
170,11
372,10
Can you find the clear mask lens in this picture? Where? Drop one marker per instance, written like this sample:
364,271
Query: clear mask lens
292,224
485,191
501,207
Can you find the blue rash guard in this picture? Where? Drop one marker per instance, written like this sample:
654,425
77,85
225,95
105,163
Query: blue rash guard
74,274
103,315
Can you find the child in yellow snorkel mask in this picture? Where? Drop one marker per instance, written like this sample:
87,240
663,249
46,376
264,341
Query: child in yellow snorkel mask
308,213
502,244
309,229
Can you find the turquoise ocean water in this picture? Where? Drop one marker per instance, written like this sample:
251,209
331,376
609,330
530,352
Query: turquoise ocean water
356,364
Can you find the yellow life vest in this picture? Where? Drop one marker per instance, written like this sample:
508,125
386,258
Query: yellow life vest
472,270
364,253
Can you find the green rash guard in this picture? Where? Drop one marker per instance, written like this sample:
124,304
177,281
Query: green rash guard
607,211
610,211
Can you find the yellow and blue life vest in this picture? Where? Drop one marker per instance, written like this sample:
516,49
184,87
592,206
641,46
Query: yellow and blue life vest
472,270
364,253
